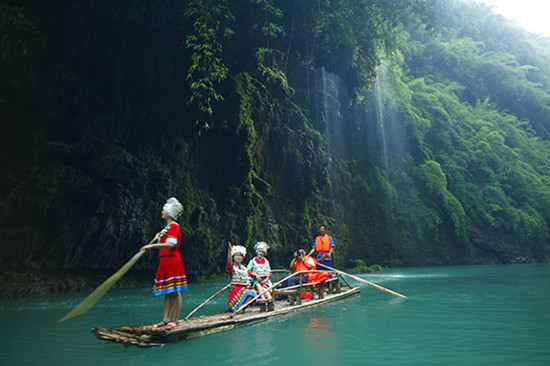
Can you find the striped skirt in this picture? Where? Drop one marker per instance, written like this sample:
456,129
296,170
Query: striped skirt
237,297
170,276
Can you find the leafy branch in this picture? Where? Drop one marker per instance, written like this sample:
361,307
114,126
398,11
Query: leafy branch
207,68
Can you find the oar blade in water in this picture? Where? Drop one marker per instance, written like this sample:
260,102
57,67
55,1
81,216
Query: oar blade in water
98,293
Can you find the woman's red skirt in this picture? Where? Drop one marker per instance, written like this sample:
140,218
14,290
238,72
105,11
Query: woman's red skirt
170,276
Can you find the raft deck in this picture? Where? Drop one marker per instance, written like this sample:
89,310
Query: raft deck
147,336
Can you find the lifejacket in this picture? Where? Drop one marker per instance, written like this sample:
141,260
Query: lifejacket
318,276
322,244
301,266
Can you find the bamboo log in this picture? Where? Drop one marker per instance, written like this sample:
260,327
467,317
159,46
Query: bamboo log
127,339
204,303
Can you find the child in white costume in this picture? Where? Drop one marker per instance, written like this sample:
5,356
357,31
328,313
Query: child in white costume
241,293
260,271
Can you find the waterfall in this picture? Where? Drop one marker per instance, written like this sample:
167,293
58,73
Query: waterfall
381,123
330,92
367,135
391,142
379,101
389,125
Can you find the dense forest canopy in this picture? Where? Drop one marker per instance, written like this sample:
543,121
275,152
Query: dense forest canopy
417,131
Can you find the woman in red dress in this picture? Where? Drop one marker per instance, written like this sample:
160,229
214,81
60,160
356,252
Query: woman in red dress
170,278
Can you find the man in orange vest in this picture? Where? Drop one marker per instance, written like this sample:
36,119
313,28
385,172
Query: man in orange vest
324,246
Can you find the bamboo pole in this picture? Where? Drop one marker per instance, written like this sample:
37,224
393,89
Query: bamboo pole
344,279
204,303
98,293
363,281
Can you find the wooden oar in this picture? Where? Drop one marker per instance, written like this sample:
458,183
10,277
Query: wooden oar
98,293
363,281
204,303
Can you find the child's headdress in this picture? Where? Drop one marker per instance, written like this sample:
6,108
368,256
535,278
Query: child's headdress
238,249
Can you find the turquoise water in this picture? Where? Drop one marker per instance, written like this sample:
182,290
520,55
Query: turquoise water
482,315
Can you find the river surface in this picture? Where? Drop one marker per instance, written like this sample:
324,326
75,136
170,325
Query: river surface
470,315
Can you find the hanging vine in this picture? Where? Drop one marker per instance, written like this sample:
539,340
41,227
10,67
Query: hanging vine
210,21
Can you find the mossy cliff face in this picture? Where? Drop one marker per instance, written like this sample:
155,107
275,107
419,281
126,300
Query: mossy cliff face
265,119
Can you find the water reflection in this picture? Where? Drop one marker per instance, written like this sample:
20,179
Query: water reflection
318,329
318,340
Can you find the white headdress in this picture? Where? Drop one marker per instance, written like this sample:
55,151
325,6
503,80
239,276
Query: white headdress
261,246
238,249
173,207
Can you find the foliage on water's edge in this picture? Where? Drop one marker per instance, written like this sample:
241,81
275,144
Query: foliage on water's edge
361,267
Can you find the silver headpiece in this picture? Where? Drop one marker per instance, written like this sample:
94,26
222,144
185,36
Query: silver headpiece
238,249
173,207
261,246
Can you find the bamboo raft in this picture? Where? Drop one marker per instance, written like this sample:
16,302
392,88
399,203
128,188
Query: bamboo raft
319,293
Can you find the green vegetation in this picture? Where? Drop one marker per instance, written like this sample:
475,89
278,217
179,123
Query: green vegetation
417,131
361,267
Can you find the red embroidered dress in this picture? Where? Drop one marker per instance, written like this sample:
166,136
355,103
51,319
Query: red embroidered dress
170,275
240,282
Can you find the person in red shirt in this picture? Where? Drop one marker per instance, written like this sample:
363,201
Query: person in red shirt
300,262
170,278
